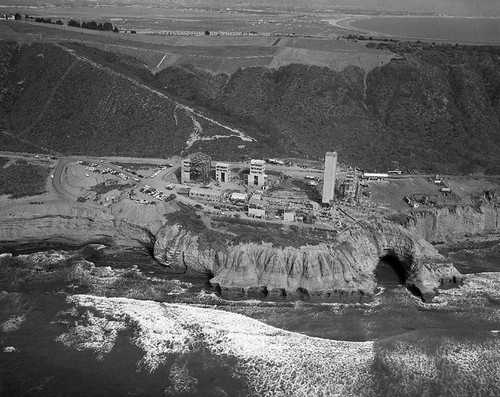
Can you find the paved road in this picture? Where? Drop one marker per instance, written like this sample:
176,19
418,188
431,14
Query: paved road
57,181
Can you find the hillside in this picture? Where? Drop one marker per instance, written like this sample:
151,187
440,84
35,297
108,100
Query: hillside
436,108
83,101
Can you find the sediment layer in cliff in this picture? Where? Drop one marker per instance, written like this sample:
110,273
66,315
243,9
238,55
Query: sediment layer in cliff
61,224
329,267
438,225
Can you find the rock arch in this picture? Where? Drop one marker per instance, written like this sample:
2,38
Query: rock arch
339,270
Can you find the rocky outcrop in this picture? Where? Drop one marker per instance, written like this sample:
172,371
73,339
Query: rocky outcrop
329,270
438,225
57,229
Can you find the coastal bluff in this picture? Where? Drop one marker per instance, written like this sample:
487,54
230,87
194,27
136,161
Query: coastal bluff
300,263
438,225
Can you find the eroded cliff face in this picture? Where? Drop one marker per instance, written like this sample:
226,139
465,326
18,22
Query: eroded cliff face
331,269
62,224
438,225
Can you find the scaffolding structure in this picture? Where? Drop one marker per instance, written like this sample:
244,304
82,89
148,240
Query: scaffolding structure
196,168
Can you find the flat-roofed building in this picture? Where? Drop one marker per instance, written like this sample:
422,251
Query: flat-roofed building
256,212
373,176
222,172
238,197
289,216
257,207
329,177
257,176
198,193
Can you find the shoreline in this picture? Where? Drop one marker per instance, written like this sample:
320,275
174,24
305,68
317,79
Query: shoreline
74,243
345,22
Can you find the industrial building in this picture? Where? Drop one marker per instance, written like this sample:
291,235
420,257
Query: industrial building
198,193
289,216
257,176
196,169
238,198
222,172
256,207
375,176
329,177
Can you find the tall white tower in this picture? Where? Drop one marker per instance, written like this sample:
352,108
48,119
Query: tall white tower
257,176
329,177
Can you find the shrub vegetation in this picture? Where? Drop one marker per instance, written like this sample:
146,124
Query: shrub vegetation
22,180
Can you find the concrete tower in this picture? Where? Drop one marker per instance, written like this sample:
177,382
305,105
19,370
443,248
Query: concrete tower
257,176
222,172
329,177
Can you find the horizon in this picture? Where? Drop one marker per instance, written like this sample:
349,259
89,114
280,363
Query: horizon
459,8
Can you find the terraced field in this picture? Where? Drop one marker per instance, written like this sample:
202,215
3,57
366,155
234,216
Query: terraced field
217,54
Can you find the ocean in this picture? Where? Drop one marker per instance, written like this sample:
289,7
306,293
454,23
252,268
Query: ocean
104,321
448,29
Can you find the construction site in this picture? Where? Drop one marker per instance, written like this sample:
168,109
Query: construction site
315,194
321,194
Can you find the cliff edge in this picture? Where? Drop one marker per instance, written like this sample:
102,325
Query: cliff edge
438,225
298,262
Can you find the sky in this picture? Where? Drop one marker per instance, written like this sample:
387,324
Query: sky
483,8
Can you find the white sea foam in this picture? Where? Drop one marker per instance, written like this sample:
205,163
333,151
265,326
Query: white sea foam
10,349
12,324
275,362
93,333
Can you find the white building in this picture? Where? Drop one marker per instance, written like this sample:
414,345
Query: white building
289,216
186,170
222,172
257,176
371,176
238,197
329,177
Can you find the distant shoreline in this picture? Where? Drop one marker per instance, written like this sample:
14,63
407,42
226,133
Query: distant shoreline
348,22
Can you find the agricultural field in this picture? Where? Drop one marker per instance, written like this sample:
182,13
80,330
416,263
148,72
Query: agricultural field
218,54
164,17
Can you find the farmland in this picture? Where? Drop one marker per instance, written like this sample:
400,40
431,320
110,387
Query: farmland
218,54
